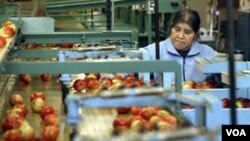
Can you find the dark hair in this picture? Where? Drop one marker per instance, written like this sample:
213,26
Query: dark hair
188,16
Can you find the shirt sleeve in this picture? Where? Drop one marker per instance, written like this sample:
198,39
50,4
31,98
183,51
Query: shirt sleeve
151,51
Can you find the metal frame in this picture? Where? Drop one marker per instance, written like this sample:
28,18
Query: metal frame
122,37
165,6
80,4
32,67
146,97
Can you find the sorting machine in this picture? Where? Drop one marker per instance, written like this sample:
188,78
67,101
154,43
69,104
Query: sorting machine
106,46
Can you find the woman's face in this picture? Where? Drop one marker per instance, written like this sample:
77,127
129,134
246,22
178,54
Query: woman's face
182,36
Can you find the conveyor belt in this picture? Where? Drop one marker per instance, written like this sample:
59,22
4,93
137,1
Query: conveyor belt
6,84
53,97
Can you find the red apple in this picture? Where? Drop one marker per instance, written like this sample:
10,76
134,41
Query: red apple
27,132
98,75
46,110
154,109
141,81
50,132
155,119
137,124
129,78
79,85
16,99
203,86
51,119
199,86
8,31
10,24
225,102
208,84
137,83
54,45
123,110
37,104
247,104
12,135
146,113
115,86
11,123
45,77
246,100
90,82
25,78
106,82
170,119
239,103
188,85
20,111
97,88
66,45
162,112
135,110
137,117
3,42
132,84
164,126
32,46
117,79
36,95
90,75
121,122
128,85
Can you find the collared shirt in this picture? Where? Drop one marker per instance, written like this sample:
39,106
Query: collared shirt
190,72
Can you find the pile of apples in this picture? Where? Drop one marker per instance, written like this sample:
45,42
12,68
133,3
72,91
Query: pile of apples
63,45
50,127
7,32
199,85
95,83
139,119
240,102
15,126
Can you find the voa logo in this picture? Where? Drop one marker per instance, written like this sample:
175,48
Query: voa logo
236,132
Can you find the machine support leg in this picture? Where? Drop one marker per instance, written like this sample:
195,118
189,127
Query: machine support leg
64,79
65,91
73,133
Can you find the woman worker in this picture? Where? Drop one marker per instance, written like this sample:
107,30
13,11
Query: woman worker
182,45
